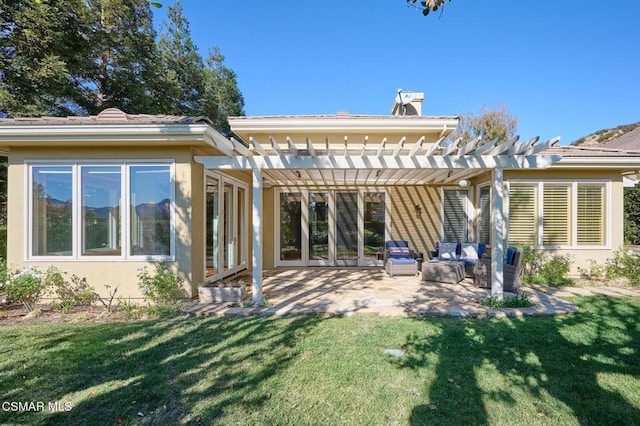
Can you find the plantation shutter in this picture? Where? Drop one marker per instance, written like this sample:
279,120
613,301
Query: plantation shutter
591,221
484,215
556,217
523,214
455,215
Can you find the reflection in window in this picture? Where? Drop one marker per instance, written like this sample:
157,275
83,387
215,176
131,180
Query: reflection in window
52,209
101,218
374,225
290,226
150,210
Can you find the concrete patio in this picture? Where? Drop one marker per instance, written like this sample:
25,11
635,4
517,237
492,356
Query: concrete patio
370,291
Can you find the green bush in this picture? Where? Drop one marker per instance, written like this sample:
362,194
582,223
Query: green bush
520,300
542,268
70,293
624,264
555,270
25,286
161,287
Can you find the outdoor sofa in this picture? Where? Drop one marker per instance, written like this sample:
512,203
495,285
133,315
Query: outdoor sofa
467,253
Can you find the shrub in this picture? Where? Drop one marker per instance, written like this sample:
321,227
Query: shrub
555,271
520,300
161,287
25,286
70,293
595,271
541,268
624,264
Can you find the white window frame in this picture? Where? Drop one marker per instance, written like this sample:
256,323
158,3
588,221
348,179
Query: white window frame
572,209
125,165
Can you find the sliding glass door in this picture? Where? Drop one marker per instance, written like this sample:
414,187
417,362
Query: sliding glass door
226,226
331,227
347,228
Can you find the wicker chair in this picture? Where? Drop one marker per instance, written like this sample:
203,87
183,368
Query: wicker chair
398,259
512,271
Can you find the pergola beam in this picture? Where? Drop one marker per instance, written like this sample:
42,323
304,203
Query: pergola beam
416,146
379,162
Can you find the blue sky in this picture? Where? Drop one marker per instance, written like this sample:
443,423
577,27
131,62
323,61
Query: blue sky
564,68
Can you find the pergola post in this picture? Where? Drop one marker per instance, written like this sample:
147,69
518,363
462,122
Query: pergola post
257,236
497,233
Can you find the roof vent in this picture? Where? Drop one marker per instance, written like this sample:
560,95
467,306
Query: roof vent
112,114
407,103
343,114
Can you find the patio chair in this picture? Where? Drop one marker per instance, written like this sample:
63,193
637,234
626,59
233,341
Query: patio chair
398,259
512,271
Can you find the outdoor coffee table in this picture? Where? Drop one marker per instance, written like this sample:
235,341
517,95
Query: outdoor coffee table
443,271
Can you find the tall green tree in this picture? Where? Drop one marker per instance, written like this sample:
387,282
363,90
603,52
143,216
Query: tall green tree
196,86
127,72
183,65
43,49
222,97
491,123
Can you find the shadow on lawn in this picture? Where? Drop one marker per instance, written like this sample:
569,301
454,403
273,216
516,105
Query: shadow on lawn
170,371
531,356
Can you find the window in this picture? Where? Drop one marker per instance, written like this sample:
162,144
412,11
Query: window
591,215
484,215
101,189
523,214
77,210
51,211
455,219
556,215
566,214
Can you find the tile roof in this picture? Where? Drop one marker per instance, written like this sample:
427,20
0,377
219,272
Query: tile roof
108,116
580,151
629,141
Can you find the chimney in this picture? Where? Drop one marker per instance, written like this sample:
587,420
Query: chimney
407,103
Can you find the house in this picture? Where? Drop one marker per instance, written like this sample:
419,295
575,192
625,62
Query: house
102,196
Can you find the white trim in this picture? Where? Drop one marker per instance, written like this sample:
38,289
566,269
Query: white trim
329,124
478,211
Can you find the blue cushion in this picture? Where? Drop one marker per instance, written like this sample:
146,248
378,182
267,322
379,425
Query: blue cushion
401,261
509,255
448,251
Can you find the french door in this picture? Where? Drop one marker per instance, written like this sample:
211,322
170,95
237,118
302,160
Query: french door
226,226
338,227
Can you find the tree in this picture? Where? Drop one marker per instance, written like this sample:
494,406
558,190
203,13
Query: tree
197,87
182,64
428,5
490,124
43,46
128,72
632,215
222,97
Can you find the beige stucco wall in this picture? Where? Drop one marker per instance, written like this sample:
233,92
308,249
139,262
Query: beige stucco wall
421,231
120,273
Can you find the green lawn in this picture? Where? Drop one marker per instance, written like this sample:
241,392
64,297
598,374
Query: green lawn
577,369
